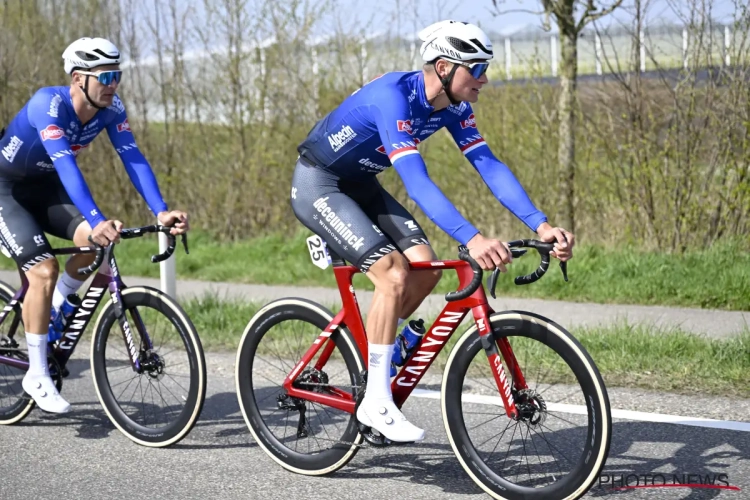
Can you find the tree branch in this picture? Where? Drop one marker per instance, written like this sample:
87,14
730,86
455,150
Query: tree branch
498,12
591,16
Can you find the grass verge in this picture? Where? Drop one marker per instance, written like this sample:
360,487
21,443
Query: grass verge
626,355
716,277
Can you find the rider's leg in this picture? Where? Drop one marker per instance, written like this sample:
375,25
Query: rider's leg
377,410
334,209
71,281
421,283
36,313
44,207
388,275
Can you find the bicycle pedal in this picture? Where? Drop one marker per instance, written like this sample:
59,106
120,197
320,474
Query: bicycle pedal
388,442
375,440
363,429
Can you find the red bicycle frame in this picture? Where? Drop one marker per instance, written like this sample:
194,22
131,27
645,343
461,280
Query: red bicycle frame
432,343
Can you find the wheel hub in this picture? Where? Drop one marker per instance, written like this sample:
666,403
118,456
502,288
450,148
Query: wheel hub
531,407
152,364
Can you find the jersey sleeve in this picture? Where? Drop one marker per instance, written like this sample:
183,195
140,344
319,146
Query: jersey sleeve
51,130
498,177
394,126
138,169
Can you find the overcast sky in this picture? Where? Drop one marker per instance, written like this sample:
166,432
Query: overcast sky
382,12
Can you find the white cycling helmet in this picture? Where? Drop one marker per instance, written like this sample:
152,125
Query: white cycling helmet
89,53
456,41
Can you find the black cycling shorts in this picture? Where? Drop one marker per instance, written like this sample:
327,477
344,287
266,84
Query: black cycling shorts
29,208
359,220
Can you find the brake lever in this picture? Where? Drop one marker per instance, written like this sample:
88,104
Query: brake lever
492,280
564,269
184,243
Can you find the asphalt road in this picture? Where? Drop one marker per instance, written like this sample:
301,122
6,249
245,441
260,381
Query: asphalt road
82,455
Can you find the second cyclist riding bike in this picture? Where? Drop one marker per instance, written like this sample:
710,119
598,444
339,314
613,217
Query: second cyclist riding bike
146,357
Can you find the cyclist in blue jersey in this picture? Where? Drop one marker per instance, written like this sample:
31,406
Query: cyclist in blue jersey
43,190
335,192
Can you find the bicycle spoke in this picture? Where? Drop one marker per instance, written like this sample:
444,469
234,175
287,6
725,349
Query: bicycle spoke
550,446
126,387
143,408
485,422
554,414
287,369
172,394
541,466
510,444
329,415
523,441
176,383
501,434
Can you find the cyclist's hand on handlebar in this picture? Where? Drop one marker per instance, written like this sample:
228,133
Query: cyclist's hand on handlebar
489,253
107,232
564,240
176,218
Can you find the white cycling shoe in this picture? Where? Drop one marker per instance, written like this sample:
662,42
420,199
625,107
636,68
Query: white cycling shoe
44,393
383,416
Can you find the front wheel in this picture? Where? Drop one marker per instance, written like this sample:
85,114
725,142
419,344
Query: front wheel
158,404
557,447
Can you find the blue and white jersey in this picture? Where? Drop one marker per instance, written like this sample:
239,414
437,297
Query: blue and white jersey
45,137
380,125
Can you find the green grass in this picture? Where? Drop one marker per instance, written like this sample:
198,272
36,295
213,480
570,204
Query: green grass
716,277
626,355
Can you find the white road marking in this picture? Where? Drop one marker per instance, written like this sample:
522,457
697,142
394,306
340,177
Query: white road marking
623,414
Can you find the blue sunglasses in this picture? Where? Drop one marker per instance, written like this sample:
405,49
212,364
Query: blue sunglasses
476,69
105,77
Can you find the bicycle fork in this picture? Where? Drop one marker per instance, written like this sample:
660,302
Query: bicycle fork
496,357
115,289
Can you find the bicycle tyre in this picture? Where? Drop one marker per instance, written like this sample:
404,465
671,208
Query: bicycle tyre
555,337
18,406
150,298
273,314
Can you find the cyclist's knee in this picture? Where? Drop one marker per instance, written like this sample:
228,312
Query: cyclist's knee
424,281
431,279
44,273
390,274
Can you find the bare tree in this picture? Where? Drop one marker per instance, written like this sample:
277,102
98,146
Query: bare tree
570,25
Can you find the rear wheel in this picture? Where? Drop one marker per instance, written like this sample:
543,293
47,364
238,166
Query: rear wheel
302,436
559,444
15,404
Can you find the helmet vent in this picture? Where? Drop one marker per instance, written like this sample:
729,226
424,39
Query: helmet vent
107,56
85,56
460,45
479,44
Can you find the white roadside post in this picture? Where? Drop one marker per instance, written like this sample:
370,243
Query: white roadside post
685,48
508,63
553,54
167,269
